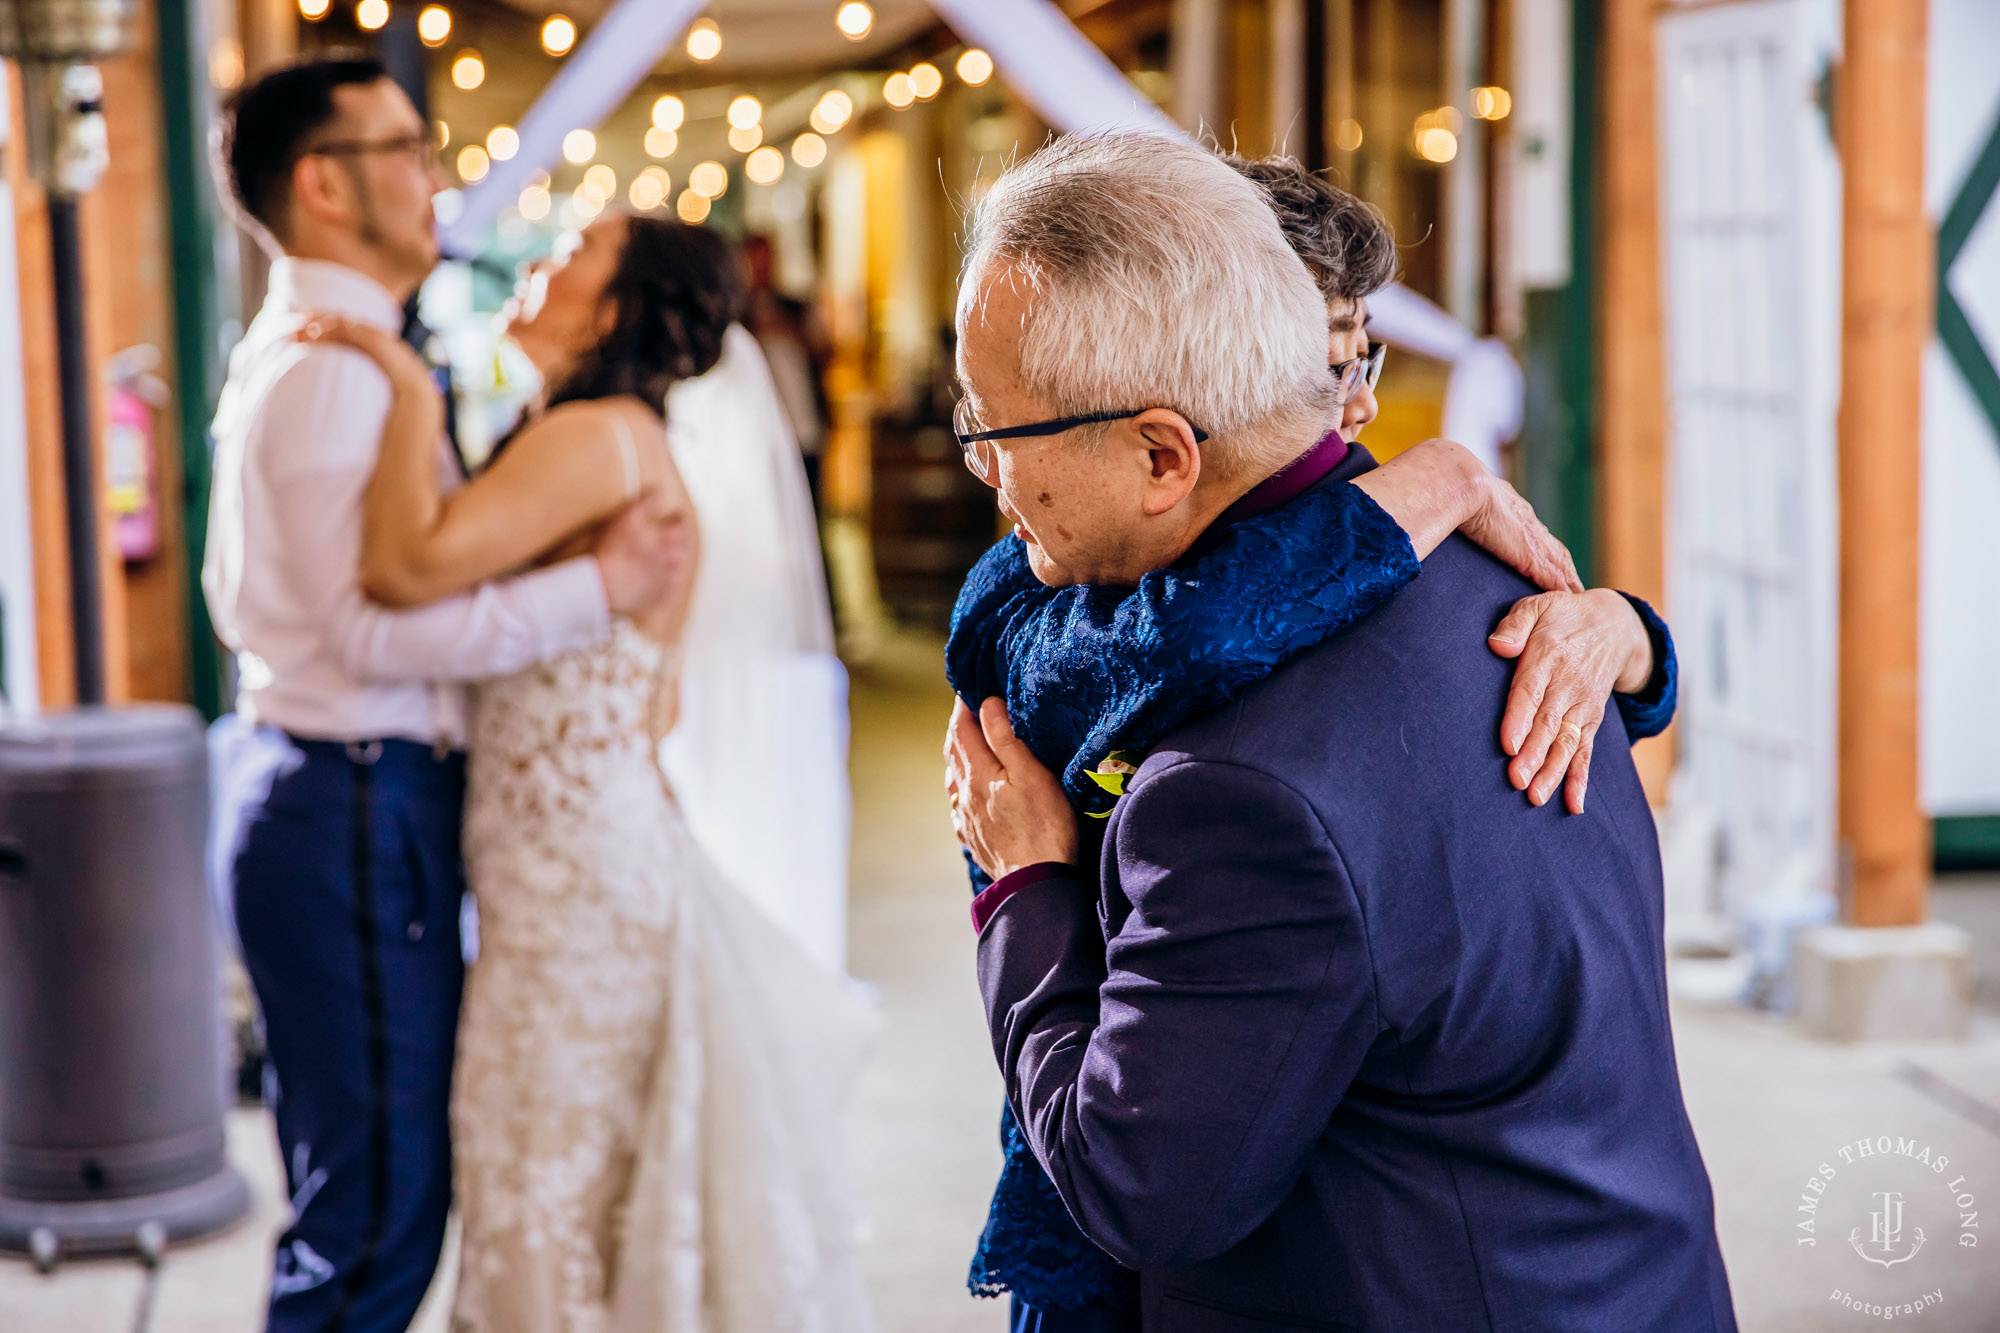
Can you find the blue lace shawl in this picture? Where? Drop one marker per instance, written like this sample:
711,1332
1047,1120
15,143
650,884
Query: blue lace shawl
1091,669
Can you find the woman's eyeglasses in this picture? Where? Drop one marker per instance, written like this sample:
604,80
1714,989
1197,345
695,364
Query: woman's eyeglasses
976,443
1351,374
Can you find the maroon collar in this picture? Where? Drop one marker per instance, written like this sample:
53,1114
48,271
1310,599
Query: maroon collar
1276,491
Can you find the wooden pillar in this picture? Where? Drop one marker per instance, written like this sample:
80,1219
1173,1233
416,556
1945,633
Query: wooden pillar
1631,360
1887,271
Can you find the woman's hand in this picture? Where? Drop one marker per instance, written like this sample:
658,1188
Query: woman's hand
1439,488
1575,649
1006,808
409,374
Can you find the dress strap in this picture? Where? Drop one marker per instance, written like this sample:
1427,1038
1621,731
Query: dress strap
629,450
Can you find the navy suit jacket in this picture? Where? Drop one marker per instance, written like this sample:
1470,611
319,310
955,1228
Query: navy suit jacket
1350,1036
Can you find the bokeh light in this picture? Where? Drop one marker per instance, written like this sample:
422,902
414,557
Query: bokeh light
745,111
854,19
558,34
468,71
534,203
314,9
765,165
661,143
975,66
1492,103
645,194
502,143
926,79
708,180
744,140
831,111
371,14
586,204
472,163
704,40
434,25
808,150
601,181
579,146
669,113
898,91
691,206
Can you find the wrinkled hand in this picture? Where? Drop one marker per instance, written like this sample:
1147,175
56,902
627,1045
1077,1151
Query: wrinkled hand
645,555
1574,650
1506,525
1006,808
408,372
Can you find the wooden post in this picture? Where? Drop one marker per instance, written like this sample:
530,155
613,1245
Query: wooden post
1631,364
1886,277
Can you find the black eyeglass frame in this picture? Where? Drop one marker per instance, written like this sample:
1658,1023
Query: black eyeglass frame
1057,426
1373,359
423,147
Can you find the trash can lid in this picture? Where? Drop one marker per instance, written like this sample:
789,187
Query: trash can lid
127,736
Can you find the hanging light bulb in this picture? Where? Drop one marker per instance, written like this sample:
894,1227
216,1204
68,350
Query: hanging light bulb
975,66
831,111
314,9
468,71
925,78
502,143
808,150
579,146
704,40
708,180
434,25
854,19
765,165
558,35
371,14
898,91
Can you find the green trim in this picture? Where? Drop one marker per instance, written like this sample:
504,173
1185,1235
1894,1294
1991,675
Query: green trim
1559,350
183,113
1955,331
1966,842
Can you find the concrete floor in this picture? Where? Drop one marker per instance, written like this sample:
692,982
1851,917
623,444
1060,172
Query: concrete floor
1768,1105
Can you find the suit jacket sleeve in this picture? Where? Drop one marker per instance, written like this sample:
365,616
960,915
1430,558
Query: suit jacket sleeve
1173,1079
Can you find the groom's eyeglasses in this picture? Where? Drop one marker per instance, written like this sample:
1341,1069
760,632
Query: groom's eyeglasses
1351,374
976,444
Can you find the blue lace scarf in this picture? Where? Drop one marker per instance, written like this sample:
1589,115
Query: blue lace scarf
1088,670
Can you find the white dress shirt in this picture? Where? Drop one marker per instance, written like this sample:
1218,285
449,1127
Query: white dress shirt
296,435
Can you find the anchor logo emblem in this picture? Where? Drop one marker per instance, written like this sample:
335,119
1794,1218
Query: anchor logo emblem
1886,1233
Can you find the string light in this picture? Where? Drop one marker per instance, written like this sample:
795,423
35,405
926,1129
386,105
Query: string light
471,163
468,71
646,194
745,111
854,19
708,180
601,181
371,14
745,140
924,77
691,206
975,66
534,203
704,40
434,25
765,165
1492,103
661,143
808,150
558,35
315,10
831,111
898,91
502,143
579,146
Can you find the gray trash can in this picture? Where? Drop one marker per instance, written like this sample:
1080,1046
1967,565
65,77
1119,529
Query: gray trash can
112,1076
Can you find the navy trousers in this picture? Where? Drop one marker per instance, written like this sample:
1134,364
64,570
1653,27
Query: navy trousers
1094,1318
347,881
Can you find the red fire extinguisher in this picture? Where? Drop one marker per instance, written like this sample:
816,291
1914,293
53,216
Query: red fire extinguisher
131,457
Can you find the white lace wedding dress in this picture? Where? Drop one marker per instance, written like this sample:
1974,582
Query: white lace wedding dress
646,1106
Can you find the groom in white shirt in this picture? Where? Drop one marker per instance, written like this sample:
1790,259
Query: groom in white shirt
341,814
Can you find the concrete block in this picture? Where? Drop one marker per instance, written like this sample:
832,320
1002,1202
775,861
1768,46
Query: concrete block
1879,983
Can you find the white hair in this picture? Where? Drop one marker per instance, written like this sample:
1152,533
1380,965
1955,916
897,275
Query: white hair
1159,278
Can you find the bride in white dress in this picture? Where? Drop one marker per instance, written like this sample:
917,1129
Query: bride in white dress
646,1105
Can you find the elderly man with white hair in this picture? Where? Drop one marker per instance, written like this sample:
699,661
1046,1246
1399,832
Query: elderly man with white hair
1310,1021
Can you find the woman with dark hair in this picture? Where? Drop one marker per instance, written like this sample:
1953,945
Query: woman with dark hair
646,1065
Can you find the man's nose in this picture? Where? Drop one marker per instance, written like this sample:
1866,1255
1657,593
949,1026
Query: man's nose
1360,410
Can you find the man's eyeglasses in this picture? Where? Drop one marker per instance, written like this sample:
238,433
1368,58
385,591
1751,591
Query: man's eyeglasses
1351,374
419,148
976,444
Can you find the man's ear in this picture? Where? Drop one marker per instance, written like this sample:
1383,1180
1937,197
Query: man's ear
319,188
1173,455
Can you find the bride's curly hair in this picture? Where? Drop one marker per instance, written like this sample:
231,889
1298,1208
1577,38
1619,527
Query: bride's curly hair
677,290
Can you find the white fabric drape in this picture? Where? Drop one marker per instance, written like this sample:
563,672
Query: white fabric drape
758,759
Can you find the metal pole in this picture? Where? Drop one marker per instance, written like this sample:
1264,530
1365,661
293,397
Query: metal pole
86,589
